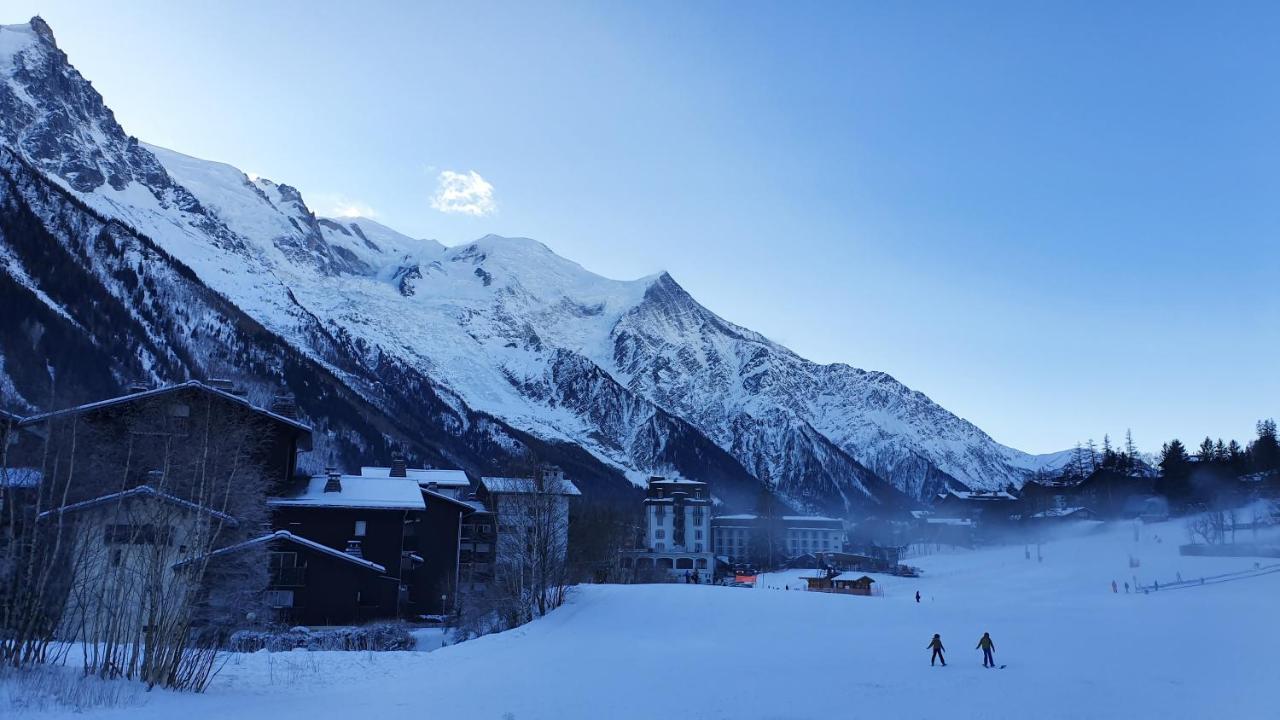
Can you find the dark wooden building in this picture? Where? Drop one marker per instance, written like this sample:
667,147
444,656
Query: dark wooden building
374,519
313,584
120,442
387,518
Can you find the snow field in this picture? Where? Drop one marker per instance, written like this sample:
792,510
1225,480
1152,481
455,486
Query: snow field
1073,648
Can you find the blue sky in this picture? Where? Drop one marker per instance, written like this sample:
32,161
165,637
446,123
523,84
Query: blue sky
1056,220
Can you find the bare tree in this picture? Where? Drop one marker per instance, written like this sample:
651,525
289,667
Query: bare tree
116,557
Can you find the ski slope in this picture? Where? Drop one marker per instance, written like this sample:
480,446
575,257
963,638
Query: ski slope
1073,649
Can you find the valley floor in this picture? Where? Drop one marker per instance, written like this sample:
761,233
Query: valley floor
1073,649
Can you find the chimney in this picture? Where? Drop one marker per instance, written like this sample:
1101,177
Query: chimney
399,466
354,549
285,405
333,480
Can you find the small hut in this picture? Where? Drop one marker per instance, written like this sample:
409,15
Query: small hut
852,584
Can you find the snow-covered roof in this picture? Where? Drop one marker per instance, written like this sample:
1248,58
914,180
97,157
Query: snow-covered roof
787,518
189,385
466,505
1061,512
444,478
372,493
142,491
976,495
287,536
847,576
524,486
673,481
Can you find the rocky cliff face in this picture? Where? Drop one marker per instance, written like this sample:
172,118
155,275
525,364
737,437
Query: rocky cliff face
474,353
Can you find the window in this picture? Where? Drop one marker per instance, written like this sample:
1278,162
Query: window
697,547
660,534
697,534
361,527
660,547
279,598
282,560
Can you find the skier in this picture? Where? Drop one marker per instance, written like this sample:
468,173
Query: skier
917,597
987,646
1126,587
1114,589
936,645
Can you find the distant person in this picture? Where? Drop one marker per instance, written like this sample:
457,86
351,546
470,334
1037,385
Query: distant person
987,646
1155,585
1179,574
1126,587
917,597
936,645
1114,588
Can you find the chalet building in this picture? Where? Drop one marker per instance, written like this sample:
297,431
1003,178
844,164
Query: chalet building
1062,514
677,531
1106,491
372,518
742,538
975,505
455,534
121,550
313,584
844,583
114,444
136,485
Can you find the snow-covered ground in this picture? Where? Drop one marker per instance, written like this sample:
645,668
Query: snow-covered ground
1073,649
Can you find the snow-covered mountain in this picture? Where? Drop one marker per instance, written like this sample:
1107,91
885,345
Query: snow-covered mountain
502,344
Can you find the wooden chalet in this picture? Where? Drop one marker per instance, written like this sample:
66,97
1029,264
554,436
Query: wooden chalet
313,584
840,583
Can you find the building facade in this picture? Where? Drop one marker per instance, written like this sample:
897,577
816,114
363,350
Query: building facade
753,539
677,537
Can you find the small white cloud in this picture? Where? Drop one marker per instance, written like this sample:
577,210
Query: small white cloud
334,205
464,193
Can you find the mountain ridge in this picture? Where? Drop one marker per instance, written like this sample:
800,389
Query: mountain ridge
636,373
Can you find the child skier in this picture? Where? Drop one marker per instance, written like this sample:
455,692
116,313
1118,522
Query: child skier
987,646
936,645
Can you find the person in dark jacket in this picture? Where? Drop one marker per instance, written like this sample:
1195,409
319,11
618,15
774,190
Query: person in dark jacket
936,645
917,596
987,646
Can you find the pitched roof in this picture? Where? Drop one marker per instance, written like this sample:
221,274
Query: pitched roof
188,385
446,478
1062,512
468,506
142,491
527,486
848,576
371,493
286,536
976,495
